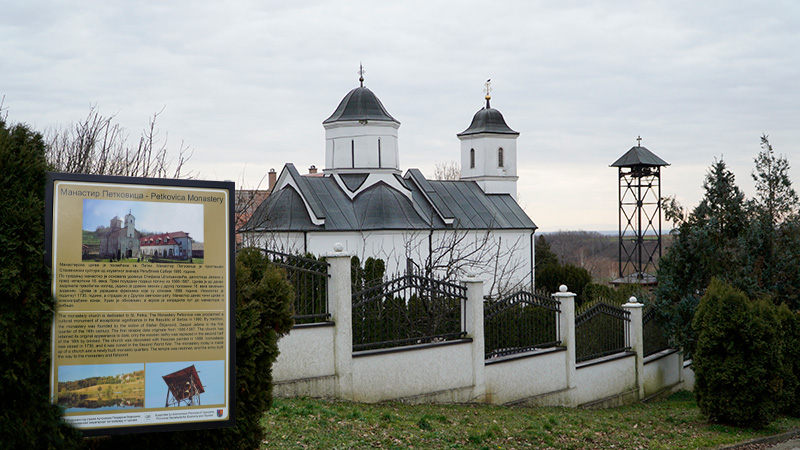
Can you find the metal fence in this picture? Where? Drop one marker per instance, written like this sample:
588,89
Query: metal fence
601,330
656,335
310,279
520,322
410,309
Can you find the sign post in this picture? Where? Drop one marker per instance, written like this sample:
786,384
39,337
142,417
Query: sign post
143,276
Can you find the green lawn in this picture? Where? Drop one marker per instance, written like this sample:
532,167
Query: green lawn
672,424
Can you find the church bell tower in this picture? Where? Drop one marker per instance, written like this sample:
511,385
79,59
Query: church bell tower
489,151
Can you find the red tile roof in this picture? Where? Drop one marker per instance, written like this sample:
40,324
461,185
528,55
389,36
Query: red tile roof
162,239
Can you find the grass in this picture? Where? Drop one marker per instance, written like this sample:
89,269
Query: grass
675,423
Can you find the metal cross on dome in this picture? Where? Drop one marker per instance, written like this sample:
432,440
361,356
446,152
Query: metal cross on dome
361,72
488,87
639,140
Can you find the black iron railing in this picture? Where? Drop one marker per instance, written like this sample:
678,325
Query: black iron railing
601,330
310,279
519,323
656,335
408,310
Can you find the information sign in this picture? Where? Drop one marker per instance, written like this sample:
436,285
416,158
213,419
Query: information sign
143,276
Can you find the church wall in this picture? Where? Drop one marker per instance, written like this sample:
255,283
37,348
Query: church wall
511,249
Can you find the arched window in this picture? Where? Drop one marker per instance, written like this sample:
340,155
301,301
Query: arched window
352,153
500,157
472,158
379,153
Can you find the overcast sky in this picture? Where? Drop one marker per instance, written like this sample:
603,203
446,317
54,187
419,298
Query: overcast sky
246,84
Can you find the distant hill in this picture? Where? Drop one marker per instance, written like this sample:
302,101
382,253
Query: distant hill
90,238
597,252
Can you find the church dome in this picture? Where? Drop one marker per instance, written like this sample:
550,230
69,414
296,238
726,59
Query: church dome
488,120
360,104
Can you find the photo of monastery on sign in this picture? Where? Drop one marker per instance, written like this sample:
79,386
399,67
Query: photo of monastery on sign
128,231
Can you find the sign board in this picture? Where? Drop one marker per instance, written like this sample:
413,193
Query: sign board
143,276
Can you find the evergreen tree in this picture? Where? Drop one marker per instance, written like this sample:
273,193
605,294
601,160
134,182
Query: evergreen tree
775,197
27,419
544,255
738,363
706,245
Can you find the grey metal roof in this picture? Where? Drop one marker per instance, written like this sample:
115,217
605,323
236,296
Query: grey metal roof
382,207
474,209
488,120
639,156
285,210
360,104
354,180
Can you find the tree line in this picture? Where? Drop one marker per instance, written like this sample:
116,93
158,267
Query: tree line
730,287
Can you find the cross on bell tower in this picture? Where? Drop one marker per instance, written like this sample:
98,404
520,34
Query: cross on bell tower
639,173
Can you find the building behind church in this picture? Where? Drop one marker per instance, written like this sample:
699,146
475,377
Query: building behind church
121,242
175,245
363,201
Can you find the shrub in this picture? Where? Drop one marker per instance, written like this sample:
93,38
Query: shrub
737,359
551,276
790,329
27,419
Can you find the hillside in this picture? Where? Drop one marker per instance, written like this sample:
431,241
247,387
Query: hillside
98,392
598,253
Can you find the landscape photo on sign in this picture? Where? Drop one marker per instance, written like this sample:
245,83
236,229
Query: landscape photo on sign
185,383
142,231
101,387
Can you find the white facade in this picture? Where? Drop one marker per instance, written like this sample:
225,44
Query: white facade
502,258
491,161
356,146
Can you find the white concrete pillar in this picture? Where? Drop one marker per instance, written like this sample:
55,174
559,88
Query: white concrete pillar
567,327
637,340
473,315
340,305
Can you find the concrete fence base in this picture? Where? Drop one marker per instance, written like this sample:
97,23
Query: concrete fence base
318,361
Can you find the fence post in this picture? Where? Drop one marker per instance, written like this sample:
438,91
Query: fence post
473,317
637,340
341,309
567,327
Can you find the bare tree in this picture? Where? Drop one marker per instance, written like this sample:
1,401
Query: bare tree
450,170
98,145
3,110
452,253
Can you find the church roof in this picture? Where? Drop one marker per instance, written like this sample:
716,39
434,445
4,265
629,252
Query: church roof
488,120
639,156
360,104
432,204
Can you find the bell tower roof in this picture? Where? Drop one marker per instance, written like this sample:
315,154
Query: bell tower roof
488,120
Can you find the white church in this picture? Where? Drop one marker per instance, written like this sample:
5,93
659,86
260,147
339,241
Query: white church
363,201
